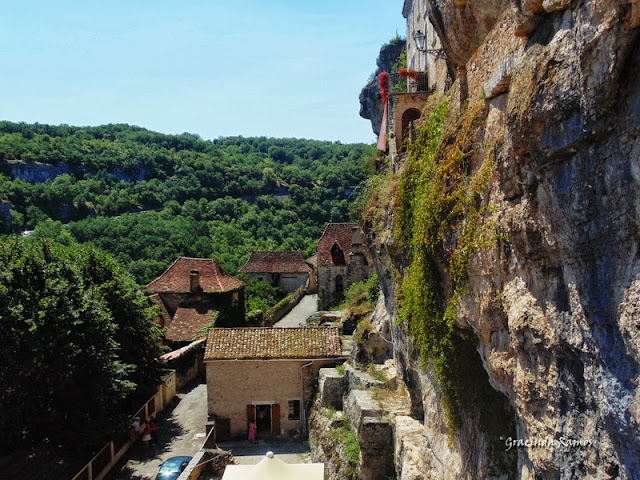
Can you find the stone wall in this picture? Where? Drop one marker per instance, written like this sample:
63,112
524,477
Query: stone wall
327,295
354,272
231,310
439,74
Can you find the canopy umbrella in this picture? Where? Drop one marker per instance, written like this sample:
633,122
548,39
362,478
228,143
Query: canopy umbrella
272,468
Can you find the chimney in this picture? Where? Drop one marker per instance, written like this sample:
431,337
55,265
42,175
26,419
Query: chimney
194,281
356,240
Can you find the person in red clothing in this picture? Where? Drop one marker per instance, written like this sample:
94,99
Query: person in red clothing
147,435
252,432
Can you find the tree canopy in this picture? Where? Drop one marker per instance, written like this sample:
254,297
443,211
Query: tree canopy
78,341
147,197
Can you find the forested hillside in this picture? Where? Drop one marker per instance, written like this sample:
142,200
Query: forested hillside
148,197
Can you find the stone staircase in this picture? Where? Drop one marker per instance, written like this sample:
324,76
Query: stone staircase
375,404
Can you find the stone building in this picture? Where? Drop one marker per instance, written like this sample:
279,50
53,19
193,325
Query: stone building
193,293
286,270
342,260
266,376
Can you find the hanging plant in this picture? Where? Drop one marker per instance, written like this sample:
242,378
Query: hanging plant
408,73
383,83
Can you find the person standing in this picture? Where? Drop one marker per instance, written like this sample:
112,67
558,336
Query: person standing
147,435
252,432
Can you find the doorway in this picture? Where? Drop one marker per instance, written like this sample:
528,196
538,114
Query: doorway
263,419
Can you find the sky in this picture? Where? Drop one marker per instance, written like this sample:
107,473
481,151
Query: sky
275,68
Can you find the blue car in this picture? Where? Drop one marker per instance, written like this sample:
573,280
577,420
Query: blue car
171,468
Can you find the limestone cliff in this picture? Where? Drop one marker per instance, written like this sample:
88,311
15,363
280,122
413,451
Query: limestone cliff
531,245
371,107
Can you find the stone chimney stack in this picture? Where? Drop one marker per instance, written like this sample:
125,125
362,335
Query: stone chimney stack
194,281
356,240
356,257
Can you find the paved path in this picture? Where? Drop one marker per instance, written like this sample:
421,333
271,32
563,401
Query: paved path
246,453
297,316
181,432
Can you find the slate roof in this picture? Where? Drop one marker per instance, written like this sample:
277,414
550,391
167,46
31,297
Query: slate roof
269,343
188,324
339,233
276,262
213,278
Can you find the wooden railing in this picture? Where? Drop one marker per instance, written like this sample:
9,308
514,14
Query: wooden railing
102,463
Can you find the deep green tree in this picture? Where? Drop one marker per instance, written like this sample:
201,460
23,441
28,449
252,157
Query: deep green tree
78,342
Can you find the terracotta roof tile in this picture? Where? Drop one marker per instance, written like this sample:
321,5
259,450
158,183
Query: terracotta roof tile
276,262
265,343
164,318
213,278
339,233
188,324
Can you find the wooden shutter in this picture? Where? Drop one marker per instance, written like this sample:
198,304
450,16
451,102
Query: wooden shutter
275,420
251,414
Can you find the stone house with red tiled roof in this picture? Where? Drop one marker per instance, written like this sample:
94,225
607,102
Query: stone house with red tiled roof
342,260
286,270
194,293
266,376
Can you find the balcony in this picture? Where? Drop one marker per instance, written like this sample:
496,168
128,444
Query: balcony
397,84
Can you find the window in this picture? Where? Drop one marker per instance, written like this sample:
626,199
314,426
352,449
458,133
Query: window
235,299
294,409
337,255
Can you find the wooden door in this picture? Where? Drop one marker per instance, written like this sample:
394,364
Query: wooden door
275,420
251,415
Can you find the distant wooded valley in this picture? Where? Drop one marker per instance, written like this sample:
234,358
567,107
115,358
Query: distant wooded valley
147,197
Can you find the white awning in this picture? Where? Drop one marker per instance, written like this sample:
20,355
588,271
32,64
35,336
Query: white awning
272,468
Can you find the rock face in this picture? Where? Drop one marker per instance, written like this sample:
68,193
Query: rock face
553,301
371,107
463,25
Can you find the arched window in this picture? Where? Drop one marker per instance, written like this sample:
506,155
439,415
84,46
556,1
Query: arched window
408,117
337,255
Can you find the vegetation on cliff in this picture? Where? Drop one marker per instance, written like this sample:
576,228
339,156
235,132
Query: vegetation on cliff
147,197
438,203
438,200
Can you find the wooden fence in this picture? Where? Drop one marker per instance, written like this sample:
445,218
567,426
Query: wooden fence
108,456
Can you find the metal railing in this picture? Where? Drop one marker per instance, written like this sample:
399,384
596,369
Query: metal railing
399,84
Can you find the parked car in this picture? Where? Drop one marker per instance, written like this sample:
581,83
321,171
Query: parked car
172,467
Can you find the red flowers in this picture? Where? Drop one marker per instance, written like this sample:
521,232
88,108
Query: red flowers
383,82
408,73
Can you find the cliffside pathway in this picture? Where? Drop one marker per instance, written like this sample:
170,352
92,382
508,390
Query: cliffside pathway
297,316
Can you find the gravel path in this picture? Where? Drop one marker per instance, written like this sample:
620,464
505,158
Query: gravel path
297,316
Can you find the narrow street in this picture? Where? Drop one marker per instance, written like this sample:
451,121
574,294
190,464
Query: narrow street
181,432
297,316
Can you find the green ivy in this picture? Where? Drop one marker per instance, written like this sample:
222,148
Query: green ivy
439,211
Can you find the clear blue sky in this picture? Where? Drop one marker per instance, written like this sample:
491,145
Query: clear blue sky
278,68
